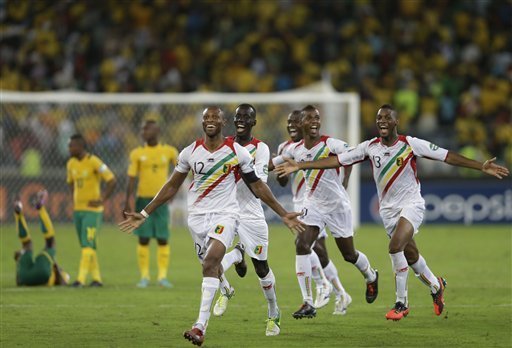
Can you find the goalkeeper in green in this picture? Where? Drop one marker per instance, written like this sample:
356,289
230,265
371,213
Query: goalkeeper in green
43,270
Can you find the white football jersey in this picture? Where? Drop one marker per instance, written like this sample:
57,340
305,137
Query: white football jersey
394,167
324,189
297,178
213,187
250,205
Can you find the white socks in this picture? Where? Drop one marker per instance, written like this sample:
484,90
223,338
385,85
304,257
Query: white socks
209,288
234,256
224,285
425,274
401,269
268,285
303,270
332,275
363,265
317,273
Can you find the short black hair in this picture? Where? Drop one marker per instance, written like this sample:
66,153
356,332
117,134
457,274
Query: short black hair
248,106
307,108
390,108
295,112
214,107
79,137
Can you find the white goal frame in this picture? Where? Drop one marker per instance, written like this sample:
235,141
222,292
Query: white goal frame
329,101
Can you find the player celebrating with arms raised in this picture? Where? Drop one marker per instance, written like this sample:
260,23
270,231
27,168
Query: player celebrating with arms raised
393,160
213,208
252,228
326,204
323,270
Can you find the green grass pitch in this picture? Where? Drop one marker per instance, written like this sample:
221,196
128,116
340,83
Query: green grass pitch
476,262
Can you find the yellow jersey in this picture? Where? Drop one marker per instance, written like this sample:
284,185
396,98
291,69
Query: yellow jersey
151,165
86,175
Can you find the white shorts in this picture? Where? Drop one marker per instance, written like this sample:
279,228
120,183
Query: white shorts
214,225
254,237
413,212
323,231
338,221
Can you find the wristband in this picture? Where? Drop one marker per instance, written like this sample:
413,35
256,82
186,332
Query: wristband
143,213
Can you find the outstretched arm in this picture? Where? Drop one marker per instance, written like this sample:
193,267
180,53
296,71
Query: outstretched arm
488,167
262,191
167,192
291,166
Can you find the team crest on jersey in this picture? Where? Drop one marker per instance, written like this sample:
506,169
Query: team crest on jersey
219,229
399,161
227,168
433,147
258,250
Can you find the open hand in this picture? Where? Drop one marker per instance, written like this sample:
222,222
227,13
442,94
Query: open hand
491,168
290,220
132,222
286,168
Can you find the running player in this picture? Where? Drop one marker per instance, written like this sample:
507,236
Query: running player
150,163
252,228
402,208
43,270
323,270
326,204
84,175
213,208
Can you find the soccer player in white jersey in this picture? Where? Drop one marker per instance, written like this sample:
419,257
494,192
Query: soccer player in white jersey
323,270
402,208
326,204
212,205
252,228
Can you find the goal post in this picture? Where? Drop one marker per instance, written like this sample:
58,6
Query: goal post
35,128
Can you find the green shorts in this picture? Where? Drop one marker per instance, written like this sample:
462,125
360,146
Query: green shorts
35,272
87,224
157,224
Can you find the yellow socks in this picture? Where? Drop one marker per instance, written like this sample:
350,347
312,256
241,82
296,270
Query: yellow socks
143,258
85,264
163,253
21,228
46,223
95,267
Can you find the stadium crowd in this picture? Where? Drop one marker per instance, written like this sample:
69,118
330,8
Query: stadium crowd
445,65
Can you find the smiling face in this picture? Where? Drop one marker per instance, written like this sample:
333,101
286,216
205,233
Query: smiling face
311,123
386,122
245,119
213,121
293,126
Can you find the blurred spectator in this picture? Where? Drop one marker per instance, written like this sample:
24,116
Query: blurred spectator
445,65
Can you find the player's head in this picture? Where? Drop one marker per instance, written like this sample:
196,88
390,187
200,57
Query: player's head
76,145
150,130
387,121
213,121
310,121
293,125
245,119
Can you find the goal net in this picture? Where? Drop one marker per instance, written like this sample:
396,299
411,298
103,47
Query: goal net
36,128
